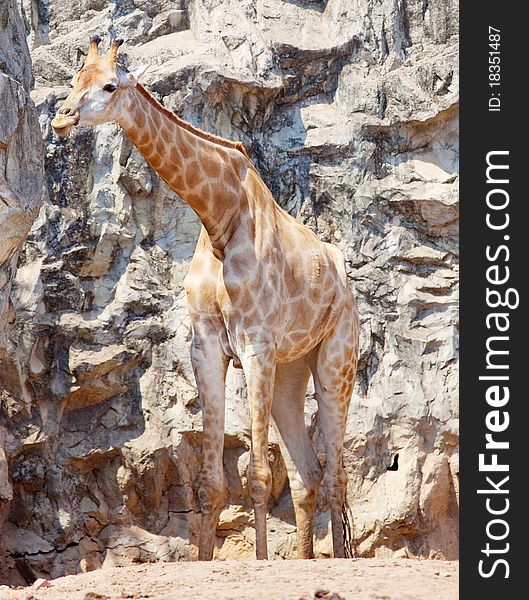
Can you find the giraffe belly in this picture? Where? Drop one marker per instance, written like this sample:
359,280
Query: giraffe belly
290,344
292,315
291,340
313,314
298,342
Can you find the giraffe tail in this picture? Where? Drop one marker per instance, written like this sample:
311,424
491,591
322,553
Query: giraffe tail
348,531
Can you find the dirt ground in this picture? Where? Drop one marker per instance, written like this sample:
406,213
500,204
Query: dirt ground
360,579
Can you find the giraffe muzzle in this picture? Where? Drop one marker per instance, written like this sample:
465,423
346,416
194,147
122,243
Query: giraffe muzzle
65,120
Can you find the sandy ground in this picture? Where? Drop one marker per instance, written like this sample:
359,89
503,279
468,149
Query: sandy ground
361,579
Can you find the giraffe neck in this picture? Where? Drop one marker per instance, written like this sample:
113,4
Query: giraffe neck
205,171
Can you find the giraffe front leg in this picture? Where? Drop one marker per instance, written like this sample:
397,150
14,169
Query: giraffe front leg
210,365
259,369
304,470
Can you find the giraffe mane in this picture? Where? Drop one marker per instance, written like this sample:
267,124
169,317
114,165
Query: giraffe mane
188,127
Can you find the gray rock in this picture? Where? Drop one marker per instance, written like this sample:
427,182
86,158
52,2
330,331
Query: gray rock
21,179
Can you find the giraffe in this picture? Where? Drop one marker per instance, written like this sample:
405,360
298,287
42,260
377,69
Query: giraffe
263,292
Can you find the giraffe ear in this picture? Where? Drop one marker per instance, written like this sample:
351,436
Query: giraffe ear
136,74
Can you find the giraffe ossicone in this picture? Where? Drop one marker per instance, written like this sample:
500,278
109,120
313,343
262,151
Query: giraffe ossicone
263,291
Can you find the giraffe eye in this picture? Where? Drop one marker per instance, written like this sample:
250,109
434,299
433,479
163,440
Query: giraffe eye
110,87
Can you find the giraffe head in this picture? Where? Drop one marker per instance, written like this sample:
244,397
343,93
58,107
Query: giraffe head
97,88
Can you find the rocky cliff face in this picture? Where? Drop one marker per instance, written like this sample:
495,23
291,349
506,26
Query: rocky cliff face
349,110
21,179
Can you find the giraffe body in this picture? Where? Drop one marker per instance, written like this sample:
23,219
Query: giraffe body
263,291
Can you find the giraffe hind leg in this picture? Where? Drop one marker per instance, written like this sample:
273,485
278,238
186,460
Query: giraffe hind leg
304,470
334,371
